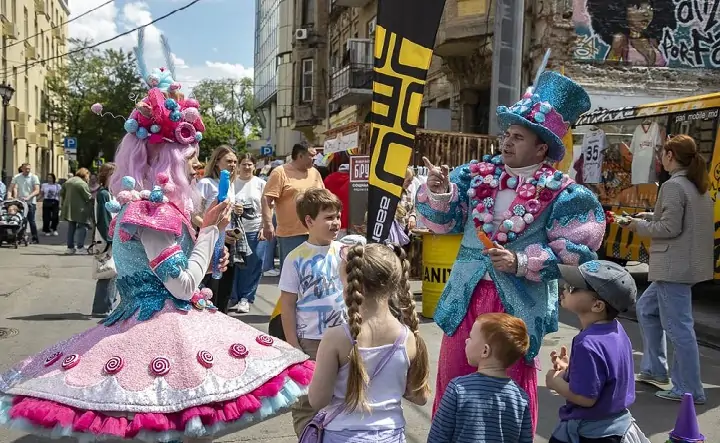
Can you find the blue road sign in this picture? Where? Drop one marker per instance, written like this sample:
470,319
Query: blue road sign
70,143
266,151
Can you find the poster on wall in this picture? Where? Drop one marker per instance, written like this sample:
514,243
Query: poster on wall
404,38
359,175
660,33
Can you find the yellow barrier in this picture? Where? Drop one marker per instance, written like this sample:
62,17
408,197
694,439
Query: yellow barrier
439,254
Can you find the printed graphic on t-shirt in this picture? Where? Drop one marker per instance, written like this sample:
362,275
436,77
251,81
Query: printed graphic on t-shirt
593,155
312,272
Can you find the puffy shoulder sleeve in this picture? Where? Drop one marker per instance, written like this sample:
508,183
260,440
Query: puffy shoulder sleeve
180,274
575,230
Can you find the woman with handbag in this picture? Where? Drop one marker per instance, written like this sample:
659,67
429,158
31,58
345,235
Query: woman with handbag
104,266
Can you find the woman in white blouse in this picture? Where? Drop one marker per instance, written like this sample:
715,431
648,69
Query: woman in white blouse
248,194
50,192
223,158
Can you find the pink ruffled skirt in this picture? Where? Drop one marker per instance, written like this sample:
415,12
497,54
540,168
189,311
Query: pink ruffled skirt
181,374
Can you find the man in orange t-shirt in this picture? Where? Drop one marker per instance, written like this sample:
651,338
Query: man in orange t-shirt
283,186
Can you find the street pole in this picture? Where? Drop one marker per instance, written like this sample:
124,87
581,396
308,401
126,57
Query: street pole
6,91
52,148
232,139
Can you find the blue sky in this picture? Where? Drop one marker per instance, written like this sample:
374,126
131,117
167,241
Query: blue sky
211,39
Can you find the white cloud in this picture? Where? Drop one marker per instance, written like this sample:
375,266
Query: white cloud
109,21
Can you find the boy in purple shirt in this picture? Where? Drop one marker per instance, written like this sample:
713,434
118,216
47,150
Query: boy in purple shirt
597,379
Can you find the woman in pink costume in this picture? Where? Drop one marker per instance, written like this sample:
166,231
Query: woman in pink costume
165,366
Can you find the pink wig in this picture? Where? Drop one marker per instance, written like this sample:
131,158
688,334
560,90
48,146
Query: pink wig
143,162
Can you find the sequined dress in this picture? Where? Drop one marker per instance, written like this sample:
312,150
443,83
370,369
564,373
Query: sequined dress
164,365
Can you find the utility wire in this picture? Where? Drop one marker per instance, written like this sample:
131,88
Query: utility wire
61,25
93,46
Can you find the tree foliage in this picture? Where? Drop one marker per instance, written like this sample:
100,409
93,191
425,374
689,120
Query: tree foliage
93,76
227,109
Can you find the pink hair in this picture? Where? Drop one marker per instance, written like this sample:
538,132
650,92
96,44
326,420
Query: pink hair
143,162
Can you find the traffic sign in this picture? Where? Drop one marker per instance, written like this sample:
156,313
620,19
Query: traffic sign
70,144
266,151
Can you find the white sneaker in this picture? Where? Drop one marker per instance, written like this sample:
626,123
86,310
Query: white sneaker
243,307
272,273
55,233
47,234
70,251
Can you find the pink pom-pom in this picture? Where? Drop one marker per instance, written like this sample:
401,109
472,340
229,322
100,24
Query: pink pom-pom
168,188
190,115
124,197
175,86
487,217
96,108
145,194
135,195
206,293
192,103
162,178
501,237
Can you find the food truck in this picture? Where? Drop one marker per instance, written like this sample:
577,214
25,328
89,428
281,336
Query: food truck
616,153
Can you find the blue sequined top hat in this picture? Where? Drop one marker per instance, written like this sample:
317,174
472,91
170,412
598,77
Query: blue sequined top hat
549,111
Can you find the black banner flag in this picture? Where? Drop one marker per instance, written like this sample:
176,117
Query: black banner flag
404,41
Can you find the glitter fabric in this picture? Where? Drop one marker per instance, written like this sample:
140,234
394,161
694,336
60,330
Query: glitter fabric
534,296
160,217
563,102
156,369
452,361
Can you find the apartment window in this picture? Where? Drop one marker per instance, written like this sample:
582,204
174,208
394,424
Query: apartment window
47,47
308,12
37,103
4,8
26,23
306,81
37,35
14,11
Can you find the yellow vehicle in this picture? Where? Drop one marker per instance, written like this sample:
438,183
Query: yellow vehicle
625,170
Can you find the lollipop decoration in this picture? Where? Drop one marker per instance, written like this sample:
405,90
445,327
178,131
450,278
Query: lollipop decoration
264,340
205,358
160,366
97,108
70,361
114,365
51,359
238,351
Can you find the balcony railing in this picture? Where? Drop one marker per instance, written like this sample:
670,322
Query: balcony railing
352,85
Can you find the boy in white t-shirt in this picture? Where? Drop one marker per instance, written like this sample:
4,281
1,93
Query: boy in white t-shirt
311,297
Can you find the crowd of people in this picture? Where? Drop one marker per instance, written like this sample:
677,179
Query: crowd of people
347,347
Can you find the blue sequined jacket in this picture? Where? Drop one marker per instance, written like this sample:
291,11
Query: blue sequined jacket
569,229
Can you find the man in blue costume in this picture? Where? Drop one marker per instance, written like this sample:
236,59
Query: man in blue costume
535,217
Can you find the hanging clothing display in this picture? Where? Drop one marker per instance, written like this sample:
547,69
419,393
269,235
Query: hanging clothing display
593,153
646,139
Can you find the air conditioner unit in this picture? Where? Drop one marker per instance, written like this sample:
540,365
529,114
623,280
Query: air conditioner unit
301,34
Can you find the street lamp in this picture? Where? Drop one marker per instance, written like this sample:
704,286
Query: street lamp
52,118
6,93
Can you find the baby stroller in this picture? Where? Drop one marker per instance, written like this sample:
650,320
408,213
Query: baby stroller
15,233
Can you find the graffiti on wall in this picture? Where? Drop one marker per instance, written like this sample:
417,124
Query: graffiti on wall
666,33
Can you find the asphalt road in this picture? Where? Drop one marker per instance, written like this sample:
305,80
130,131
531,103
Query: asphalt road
46,296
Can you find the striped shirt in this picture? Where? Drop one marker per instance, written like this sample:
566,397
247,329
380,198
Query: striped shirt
480,408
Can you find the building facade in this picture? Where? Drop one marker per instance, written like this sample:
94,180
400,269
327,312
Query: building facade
667,52
34,40
273,74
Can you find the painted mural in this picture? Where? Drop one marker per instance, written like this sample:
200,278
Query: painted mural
663,33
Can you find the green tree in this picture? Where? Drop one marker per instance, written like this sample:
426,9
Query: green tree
227,109
93,76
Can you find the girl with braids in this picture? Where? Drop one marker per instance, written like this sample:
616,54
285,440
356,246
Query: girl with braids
367,366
